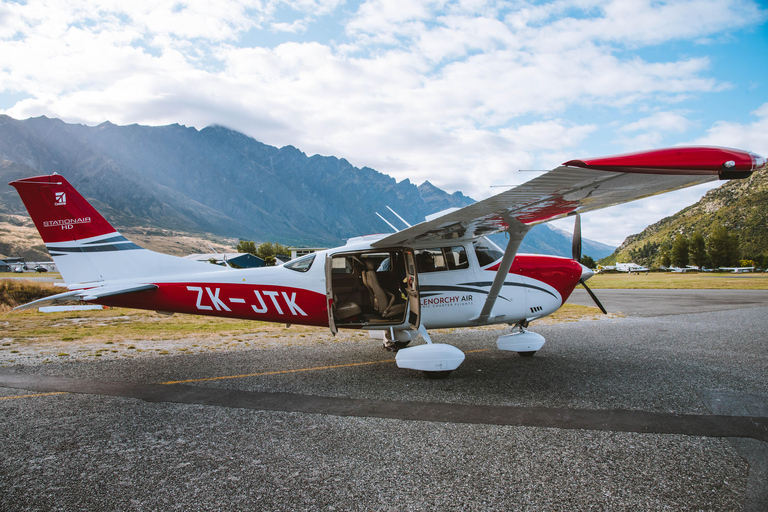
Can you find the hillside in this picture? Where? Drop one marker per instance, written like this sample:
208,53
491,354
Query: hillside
217,182
739,205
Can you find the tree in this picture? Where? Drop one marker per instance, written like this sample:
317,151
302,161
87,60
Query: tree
679,255
246,246
722,247
268,250
665,260
697,250
588,262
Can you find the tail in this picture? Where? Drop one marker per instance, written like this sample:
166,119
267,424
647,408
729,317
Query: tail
84,246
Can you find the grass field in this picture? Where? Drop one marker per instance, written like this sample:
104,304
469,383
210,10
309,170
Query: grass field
27,275
670,281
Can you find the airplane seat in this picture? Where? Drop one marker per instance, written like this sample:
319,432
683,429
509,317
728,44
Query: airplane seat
463,261
426,262
383,300
346,310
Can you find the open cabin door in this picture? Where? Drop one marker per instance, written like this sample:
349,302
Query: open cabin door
412,287
374,288
329,293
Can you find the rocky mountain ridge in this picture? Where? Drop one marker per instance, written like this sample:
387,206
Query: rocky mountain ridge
219,181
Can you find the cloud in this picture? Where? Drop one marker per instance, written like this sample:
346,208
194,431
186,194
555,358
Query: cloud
750,136
463,93
648,132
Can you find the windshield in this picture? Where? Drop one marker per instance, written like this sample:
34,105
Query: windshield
486,252
302,264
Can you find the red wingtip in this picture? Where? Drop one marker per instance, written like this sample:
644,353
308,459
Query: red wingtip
682,160
59,212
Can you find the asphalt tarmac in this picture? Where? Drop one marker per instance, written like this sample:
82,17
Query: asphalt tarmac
666,408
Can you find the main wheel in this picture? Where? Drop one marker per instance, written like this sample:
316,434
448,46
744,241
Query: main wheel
437,375
394,346
527,354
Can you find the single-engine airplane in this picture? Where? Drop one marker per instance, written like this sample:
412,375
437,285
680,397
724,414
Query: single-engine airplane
437,274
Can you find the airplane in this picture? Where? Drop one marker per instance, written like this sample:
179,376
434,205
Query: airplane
738,270
440,273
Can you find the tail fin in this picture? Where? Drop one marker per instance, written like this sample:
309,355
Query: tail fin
60,213
85,247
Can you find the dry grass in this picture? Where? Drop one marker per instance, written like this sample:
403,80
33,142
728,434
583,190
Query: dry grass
15,292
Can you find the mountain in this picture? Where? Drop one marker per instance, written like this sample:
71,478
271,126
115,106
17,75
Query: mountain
739,205
216,180
546,239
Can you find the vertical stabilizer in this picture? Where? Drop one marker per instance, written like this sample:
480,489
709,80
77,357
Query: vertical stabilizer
85,247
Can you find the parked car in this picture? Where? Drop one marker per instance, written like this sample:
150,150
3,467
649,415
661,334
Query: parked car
40,268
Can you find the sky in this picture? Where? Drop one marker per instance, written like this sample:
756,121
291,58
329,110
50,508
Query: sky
462,93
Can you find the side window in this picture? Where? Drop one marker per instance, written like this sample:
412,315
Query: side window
302,264
486,253
430,260
445,258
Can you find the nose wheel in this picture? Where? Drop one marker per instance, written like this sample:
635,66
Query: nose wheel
525,343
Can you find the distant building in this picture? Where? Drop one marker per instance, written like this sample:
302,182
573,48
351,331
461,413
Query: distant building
297,252
237,259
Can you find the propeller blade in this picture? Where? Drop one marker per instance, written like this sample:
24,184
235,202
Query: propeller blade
576,243
594,297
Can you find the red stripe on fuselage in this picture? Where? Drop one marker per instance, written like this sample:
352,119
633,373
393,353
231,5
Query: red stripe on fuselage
265,303
562,274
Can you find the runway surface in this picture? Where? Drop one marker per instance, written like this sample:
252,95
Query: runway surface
652,411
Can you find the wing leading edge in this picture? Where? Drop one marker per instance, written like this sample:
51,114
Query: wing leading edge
580,186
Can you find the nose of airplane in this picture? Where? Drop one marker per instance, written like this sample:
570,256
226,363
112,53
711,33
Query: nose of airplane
758,162
586,273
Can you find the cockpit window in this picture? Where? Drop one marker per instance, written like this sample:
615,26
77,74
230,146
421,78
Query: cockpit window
302,264
487,253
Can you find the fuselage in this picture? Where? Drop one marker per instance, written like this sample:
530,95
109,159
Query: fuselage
451,289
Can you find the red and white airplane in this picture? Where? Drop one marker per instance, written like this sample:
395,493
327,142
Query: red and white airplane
437,274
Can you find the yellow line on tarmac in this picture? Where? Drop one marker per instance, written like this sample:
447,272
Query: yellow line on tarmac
224,377
32,396
275,372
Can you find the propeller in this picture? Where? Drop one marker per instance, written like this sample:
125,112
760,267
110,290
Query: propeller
576,252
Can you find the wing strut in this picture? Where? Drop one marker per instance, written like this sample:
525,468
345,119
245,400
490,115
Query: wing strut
517,231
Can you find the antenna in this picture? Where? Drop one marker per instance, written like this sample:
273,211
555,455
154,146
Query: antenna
398,216
388,223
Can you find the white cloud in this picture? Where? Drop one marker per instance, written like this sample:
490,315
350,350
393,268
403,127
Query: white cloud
751,136
463,93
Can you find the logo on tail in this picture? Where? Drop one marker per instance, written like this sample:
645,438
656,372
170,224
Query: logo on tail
61,199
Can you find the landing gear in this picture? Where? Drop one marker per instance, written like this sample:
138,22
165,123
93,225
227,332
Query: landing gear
394,340
435,360
523,342
395,346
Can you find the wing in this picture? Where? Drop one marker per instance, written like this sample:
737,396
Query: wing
580,186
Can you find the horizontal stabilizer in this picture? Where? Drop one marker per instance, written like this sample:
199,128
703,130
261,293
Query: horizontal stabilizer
85,295
111,291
